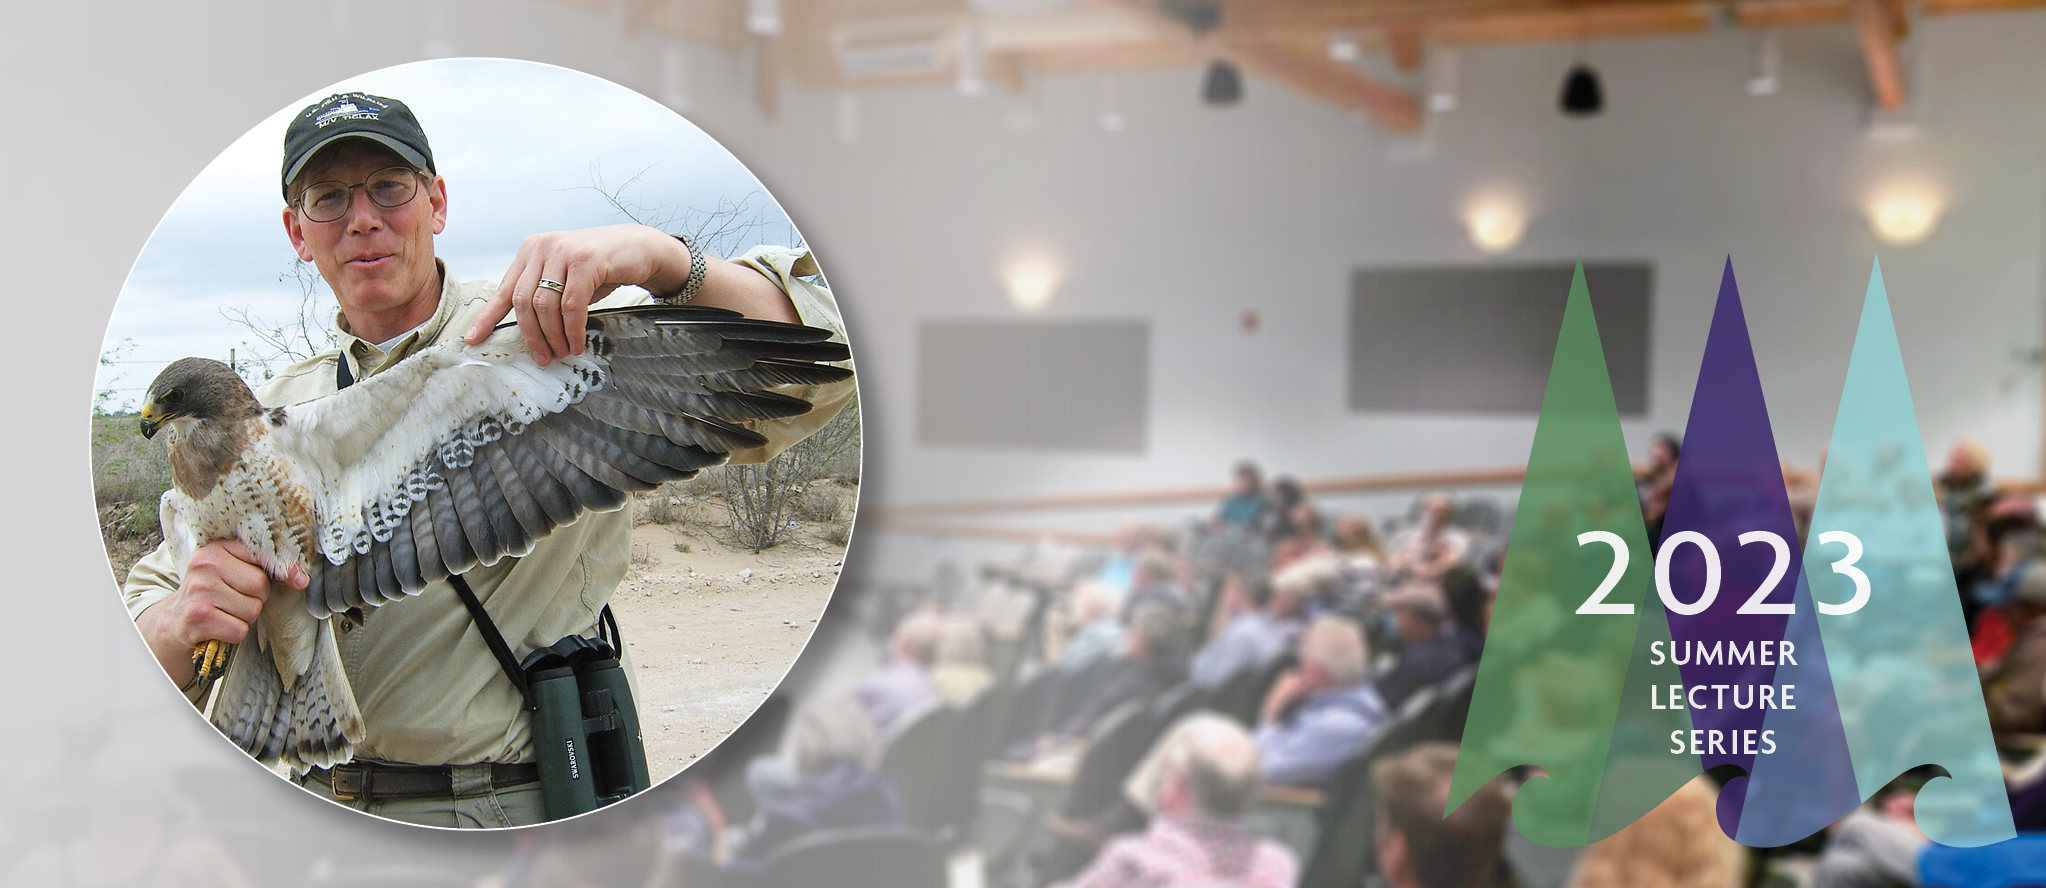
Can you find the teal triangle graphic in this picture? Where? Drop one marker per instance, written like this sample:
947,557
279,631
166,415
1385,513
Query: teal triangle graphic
1901,667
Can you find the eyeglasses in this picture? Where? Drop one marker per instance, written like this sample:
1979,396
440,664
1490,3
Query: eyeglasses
390,188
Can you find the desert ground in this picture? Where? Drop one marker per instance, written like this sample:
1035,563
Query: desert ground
711,630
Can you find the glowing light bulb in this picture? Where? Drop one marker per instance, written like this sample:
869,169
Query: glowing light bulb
1495,224
1032,279
1903,215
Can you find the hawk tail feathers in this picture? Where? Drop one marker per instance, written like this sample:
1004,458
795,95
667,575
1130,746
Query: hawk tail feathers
314,724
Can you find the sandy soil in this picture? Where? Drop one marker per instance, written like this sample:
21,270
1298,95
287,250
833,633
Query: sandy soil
711,630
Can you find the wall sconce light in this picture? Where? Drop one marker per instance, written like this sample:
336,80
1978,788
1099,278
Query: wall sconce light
1495,224
1902,214
1032,279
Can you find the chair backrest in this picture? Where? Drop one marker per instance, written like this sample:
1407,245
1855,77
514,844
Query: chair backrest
1434,713
909,764
1174,704
974,741
1029,708
1244,693
1069,694
867,857
1119,740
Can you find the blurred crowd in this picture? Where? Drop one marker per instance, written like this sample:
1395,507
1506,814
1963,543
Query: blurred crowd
1270,694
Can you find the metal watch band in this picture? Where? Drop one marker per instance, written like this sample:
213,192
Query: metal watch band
698,267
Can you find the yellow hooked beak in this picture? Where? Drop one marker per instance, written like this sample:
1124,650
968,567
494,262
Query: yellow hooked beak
151,419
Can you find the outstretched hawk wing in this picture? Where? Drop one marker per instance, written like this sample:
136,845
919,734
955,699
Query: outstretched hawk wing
461,455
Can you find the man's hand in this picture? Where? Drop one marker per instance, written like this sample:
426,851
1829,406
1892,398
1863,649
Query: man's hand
1291,686
223,591
592,262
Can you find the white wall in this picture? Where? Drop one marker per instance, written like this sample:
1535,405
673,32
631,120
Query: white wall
1192,215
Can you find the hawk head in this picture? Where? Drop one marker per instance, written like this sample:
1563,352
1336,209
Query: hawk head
193,391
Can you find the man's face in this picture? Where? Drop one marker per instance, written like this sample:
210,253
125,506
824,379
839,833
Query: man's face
378,260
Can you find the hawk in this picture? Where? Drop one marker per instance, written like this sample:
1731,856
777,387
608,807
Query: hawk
457,456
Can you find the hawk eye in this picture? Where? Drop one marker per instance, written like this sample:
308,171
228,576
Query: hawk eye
173,398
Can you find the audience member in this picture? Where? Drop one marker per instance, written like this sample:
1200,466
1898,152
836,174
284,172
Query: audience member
2014,678
1099,629
1361,561
1262,618
1145,669
1431,645
1198,836
1875,845
1304,543
1277,521
1420,848
1679,844
1470,605
1322,711
1240,510
1430,548
1653,481
1156,581
1962,490
961,670
2011,535
903,687
832,748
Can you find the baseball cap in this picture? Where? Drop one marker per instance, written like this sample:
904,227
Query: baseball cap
353,116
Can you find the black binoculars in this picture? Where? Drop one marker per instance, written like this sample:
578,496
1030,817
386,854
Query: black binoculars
585,727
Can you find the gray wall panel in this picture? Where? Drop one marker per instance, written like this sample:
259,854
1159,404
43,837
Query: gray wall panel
1480,339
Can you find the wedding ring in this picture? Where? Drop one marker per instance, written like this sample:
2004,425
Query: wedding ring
554,285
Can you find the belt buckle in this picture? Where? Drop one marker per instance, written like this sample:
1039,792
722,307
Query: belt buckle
349,782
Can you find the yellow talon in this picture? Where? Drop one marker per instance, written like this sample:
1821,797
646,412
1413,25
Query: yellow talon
209,660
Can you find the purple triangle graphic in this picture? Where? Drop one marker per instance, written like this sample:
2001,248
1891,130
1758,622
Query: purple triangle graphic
1729,483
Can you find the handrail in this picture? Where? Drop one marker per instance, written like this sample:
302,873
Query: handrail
1204,494
913,518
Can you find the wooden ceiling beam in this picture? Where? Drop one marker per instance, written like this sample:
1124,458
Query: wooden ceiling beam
1877,28
1308,69
1407,44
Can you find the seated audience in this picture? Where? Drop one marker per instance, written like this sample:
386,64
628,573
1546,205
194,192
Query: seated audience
1677,845
1098,632
1360,560
1653,482
2012,538
1470,606
1875,845
1304,543
1156,581
1963,493
2014,680
825,780
961,670
1429,549
1431,646
1209,782
1239,511
1145,669
1277,521
1319,713
1420,848
903,687
1262,617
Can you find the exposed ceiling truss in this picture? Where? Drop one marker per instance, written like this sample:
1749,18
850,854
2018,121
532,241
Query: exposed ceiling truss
840,44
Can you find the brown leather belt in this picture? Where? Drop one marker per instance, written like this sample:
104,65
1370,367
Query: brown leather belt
373,781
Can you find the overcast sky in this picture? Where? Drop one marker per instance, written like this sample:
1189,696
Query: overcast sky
521,145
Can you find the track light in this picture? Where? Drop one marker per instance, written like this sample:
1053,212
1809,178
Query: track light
1223,85
1583,96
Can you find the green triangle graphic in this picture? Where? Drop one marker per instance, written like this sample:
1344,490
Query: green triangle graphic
1551,682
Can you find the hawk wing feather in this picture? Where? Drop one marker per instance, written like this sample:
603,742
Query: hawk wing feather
488,453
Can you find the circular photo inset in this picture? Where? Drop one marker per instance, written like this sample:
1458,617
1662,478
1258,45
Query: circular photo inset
468,471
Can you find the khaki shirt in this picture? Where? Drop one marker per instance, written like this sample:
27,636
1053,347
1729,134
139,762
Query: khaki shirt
430,691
